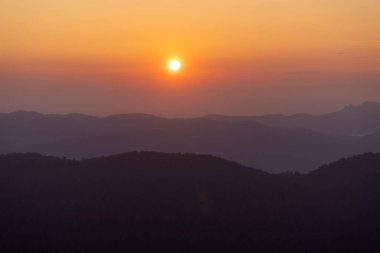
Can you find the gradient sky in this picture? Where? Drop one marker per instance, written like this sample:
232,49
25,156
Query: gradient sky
239,57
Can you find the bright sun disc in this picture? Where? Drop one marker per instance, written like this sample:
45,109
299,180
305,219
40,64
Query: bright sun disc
174,65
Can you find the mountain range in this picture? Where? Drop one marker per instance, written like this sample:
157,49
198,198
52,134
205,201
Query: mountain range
360,120
255,144
147,201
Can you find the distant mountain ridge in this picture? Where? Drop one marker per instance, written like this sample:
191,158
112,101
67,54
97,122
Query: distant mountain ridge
363,119
251,143
143,201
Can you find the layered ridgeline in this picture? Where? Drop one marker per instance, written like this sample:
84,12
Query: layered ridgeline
154,202
249,143
354,121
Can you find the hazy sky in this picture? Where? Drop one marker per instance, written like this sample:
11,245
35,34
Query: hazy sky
239,57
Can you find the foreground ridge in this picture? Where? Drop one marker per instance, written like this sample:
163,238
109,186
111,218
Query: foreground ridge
143,201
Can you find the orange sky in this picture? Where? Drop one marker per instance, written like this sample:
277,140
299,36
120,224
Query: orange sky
245,43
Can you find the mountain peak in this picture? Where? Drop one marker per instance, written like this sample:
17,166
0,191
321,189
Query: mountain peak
364,106
25,115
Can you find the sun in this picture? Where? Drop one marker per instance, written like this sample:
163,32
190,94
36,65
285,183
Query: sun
174,65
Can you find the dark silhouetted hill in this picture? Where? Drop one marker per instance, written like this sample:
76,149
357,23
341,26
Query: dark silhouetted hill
154,202
249,143
352,121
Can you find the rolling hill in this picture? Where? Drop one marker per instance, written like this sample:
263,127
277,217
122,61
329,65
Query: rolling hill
146,201
249,143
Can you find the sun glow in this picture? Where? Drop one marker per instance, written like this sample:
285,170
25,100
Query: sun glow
174,65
